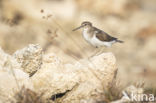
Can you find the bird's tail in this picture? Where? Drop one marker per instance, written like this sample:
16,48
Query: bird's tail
119,41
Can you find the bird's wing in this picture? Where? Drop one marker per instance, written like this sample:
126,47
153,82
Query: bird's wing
103,36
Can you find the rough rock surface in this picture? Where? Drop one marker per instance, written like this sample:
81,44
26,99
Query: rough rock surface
84,79
127,94
30,58
7,62
12,77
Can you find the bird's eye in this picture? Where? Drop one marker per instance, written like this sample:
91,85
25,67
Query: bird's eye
84,24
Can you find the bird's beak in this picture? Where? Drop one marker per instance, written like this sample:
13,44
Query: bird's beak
77,28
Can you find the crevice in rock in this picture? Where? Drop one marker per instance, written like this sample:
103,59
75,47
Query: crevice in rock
59,95
31,74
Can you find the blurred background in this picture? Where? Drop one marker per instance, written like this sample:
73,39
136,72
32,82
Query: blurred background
50,23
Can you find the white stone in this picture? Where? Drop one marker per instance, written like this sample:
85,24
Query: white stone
83,78
30,58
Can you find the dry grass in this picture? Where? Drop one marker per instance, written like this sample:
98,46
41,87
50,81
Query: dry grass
17,29
26,95
114,89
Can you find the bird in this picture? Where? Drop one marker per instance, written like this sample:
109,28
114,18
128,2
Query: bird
96,37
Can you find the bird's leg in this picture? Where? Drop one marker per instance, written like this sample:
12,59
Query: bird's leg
100,51
97,50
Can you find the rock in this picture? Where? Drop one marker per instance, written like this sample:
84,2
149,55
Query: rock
53,78
11,84
81,80
7,62
30,58
12,77
127,93
133,89
26,95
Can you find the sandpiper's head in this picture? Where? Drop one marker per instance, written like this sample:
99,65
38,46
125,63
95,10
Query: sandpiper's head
84,24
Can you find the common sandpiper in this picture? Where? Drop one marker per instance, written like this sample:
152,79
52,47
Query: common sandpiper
95,36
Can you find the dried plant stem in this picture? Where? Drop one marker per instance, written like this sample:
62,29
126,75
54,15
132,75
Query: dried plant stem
13,73
67,34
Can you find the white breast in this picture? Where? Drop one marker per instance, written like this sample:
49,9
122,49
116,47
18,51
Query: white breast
86,35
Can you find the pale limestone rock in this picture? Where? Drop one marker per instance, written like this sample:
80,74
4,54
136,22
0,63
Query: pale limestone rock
30,58
84,79
11,84
12,77
7,62
127,92
53,77
133,89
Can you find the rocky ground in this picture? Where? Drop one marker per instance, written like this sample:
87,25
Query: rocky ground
35,77
48,24
54,80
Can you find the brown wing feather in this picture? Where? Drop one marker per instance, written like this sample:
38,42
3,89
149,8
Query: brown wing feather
103,36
